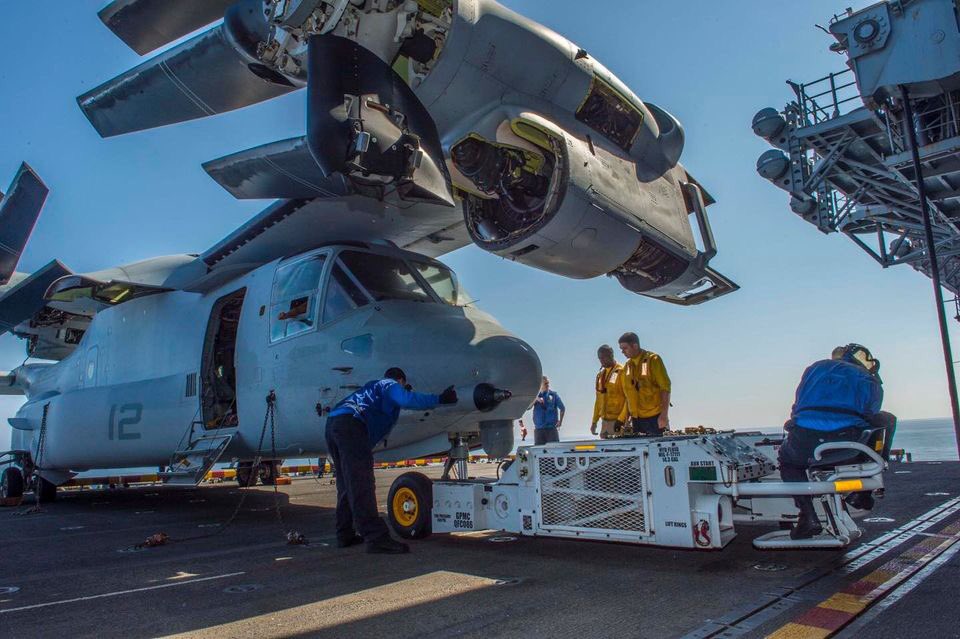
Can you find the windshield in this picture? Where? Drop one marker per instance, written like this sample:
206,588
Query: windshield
385,278
441,279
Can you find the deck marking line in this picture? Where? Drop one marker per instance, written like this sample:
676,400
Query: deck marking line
899,593
851,561
119,592
840,609
798,631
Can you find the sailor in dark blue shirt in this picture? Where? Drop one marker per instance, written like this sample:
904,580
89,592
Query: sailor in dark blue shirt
548,411
355,425
836,399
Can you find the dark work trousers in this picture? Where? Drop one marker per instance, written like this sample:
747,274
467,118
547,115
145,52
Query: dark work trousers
546,435
646,426
349,447
796,453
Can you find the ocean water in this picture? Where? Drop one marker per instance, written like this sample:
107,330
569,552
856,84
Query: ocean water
927,439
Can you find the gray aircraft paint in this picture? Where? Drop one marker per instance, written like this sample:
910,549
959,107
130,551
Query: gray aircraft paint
120,400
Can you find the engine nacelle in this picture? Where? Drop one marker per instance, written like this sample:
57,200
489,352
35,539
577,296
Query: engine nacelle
537,195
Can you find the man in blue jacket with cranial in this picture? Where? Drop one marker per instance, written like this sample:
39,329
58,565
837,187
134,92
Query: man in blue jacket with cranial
836,400
354,427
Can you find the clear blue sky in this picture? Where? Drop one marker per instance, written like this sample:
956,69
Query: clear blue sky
734,362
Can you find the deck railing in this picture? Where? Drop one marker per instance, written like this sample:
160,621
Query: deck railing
822,99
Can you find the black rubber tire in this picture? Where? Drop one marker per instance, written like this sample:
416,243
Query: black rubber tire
267,472
245,476
422,488
11,483
48,490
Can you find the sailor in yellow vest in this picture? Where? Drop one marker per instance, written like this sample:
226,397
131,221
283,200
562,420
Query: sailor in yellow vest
646,386
610,401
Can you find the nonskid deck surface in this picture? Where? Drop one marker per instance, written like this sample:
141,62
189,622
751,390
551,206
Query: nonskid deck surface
74,580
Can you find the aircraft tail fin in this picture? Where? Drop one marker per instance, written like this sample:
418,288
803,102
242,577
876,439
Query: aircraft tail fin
18,215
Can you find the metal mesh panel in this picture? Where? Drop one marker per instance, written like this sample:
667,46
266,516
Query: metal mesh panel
597,493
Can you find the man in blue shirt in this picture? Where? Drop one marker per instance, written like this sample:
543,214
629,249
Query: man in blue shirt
354,427
837,398
548,413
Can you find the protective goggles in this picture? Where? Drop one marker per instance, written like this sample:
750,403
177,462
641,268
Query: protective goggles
861,355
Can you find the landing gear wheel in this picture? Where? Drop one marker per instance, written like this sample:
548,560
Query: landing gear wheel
245,476
11,483
409,505
47,490
268,472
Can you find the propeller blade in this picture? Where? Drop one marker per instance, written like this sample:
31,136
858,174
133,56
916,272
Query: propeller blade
283,169
364,121
18,215
145,25
209,74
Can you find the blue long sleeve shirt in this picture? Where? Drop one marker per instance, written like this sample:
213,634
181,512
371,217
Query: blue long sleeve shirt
835,394
547,413
378,406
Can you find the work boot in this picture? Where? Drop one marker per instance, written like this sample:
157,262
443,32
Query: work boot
861,501
808,525
386,545
346,542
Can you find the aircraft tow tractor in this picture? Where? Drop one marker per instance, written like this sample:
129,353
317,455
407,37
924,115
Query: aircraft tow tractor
682,492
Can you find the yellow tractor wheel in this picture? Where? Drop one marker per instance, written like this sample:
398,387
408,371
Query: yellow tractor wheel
409,505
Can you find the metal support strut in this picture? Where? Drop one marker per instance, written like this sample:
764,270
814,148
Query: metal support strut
456,459
934,266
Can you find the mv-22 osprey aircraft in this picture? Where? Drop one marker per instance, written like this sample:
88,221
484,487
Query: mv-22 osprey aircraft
431,124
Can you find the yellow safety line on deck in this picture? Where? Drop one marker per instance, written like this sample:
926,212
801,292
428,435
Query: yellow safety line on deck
799,631
834,613
845,602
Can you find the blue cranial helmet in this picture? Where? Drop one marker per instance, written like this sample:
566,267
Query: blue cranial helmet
858,354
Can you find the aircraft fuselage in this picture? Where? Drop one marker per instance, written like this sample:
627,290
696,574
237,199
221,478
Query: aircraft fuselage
150,367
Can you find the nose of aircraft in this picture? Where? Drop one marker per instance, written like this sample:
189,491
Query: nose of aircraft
442,345
509,364
438,346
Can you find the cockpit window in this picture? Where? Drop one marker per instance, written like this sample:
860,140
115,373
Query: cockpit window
385,278
294,298
343,295
442,280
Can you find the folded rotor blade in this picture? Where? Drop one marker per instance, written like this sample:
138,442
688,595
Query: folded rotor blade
145,25
204,76
283,169
18,215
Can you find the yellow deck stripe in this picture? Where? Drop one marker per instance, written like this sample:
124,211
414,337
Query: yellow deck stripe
845,603
800,631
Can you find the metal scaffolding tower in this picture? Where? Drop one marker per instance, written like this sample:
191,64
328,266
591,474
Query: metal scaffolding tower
873,151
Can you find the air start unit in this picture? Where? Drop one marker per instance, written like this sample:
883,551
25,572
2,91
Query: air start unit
683,492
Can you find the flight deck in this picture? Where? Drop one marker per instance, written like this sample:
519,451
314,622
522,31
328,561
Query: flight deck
73,570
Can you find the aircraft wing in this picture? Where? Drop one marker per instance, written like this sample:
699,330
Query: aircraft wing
289,227
314,210
22,300
8,384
